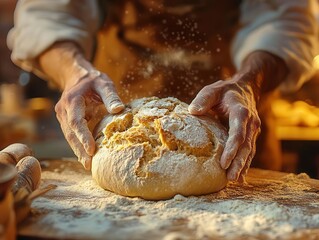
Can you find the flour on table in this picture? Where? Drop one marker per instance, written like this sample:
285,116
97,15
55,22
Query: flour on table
79,208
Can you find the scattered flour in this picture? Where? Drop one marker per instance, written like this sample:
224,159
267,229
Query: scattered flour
78,208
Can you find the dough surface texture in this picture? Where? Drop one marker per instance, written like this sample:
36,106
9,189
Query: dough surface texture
155,149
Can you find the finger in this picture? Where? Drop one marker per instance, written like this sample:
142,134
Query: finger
77,147
110,98
243,173
238,120
250,158
71,138
243,155
78,124
205,100
238,163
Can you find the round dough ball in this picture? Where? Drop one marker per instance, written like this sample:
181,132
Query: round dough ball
155,149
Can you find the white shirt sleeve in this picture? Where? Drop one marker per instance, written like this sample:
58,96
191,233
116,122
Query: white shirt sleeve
40,23
285,28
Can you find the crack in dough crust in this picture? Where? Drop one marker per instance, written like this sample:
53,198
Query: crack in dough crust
155,149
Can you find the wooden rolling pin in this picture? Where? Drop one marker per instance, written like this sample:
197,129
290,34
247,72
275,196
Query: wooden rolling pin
28,180
14,153
28,167
28,176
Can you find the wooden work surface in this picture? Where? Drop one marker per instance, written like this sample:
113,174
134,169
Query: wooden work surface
264,186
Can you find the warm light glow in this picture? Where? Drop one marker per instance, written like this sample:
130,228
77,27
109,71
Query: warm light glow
316,62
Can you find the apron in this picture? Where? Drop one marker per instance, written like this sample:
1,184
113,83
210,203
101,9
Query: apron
166,48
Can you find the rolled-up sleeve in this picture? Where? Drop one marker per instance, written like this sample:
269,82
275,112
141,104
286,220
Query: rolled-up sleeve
285,28
40,23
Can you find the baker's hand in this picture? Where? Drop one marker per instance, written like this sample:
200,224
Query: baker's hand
87,95
81,107
236,99
236,102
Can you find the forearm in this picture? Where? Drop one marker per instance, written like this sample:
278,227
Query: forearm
40,24
64,63
287,29
265,72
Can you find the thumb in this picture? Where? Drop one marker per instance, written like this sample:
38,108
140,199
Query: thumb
109,97
113,103
205,100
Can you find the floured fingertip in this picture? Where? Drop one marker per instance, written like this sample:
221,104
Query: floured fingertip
117,107
225,163
86,162
195,109
90,147
232,176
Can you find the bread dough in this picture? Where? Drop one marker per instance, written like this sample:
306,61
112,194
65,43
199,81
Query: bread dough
155,149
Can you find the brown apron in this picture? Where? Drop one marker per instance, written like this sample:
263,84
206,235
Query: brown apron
166,48
174,48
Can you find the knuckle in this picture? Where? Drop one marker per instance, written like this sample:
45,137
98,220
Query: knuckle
73,123
68,99
252,154
69,136
257,121
207,91
58,109
258,130
219,82
238,137
241,164
112,98
106,83
257,125
244,111
207,88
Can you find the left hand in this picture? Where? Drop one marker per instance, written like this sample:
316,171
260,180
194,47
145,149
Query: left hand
236,102
237,99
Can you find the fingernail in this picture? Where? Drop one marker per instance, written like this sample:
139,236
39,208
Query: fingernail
86,162
117,107
194,108
231,177
89,148
224,163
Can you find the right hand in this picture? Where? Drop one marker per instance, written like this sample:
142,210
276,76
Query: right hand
237,99
87,95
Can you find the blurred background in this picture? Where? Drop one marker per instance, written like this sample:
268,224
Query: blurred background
26,102
27,112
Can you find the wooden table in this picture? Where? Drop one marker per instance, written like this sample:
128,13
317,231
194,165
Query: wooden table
269,187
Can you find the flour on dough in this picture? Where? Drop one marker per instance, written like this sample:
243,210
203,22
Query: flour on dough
155,149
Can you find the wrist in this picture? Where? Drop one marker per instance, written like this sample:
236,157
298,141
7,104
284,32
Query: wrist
266,71
65,64
77,69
